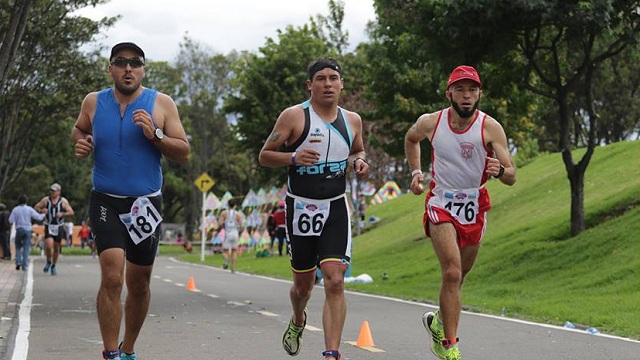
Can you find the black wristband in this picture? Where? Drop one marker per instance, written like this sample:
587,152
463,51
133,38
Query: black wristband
500,172
356,159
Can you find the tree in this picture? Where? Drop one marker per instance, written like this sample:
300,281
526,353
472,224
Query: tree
12,31
205,78
618,94
331,27
556,48
43,85
564,53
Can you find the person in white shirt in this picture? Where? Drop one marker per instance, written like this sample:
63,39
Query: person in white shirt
21,217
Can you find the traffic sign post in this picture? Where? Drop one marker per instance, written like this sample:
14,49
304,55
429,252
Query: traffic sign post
204,182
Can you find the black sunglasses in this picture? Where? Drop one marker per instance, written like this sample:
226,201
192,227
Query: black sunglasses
123,62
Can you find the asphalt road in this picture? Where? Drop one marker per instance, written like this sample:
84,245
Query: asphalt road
240,316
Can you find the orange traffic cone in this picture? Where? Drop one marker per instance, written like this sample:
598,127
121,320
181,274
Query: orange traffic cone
191,285
365,339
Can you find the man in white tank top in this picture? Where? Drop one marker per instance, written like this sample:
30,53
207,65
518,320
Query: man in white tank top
468,147
231,220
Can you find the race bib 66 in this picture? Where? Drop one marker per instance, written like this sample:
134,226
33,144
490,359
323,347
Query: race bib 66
309,216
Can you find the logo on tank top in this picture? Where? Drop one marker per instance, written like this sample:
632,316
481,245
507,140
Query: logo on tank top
466,150
334,167
316,136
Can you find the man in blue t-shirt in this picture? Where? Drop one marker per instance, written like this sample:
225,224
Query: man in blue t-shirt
127,129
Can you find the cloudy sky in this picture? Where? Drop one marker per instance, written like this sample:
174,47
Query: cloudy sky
158,26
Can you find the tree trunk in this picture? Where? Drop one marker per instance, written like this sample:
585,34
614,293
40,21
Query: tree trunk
12,37
576,172
576,181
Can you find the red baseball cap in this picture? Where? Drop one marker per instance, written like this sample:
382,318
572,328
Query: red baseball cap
463,72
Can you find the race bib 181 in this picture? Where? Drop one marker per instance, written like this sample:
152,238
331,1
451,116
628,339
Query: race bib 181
142,221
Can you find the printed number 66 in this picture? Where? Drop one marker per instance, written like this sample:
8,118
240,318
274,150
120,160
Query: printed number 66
306,223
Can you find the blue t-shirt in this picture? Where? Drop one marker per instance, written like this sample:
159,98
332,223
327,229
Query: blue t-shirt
125,162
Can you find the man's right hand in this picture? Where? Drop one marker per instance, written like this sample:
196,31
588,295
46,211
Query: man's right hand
307,157
416,184
84,147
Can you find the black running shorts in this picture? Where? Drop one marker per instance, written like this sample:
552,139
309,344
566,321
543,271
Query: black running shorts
331,245
110,232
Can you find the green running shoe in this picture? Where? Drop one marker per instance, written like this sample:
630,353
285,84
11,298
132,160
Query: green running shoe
453,353
430,322
292,337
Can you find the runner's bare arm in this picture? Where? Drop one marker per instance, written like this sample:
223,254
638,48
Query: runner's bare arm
66,207
174,145
420,130
41,206
497,140
239,222
280,136
81,134
357,157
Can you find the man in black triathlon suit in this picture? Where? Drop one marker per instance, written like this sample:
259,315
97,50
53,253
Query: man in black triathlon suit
321,142
55,207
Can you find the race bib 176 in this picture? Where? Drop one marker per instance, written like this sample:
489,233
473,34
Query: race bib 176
463,205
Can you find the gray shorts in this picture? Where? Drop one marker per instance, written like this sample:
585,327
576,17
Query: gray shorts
231,239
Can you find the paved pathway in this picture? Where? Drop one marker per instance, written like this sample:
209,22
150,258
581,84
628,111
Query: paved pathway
11,283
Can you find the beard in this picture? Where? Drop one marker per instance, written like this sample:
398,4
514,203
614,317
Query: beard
127,90
465,113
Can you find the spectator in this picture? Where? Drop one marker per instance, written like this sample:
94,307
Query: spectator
21,217
84,234
279,217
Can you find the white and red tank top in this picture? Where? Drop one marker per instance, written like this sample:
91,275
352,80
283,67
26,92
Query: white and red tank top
458,161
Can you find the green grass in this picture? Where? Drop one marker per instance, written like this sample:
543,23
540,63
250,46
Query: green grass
529,265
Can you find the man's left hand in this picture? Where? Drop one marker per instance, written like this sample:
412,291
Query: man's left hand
361,168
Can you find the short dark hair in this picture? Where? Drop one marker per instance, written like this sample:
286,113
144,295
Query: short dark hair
126,45
323,63
231,203
22,199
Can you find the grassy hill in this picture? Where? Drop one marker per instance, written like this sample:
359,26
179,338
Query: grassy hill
529,266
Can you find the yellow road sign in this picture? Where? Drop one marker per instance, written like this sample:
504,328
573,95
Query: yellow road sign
204,182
